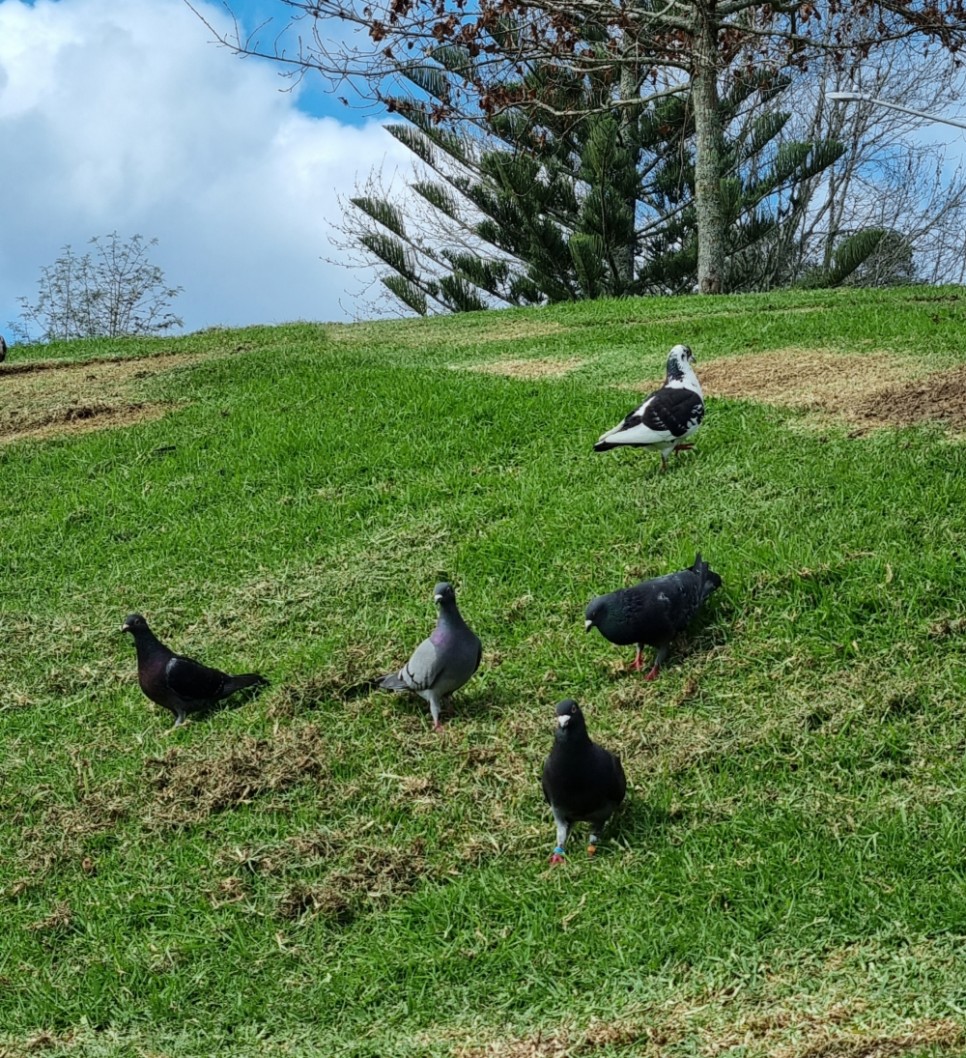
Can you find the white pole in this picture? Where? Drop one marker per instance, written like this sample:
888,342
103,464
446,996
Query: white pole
860,97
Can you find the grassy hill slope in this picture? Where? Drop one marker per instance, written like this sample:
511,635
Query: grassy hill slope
316,872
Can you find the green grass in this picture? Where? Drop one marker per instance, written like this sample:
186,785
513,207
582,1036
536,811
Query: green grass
316,872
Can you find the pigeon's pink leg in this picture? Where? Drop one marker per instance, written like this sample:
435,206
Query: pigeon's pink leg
683,448
557,856
437,726
636,663
652,675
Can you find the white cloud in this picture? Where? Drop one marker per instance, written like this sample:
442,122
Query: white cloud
123,116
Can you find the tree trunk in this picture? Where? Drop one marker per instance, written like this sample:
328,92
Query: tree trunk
629,89
709,141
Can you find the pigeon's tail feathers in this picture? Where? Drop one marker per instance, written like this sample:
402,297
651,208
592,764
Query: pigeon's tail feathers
709,580
238,683
393,682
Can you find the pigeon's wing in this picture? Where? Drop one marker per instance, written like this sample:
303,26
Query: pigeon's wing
189,679
664,417
424,667
618,780
545,781
684,595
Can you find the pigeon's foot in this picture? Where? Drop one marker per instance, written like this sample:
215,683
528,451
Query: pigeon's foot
683,448
637,663
558,855
652,675
437,726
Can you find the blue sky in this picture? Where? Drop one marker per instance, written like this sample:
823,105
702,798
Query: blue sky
124,116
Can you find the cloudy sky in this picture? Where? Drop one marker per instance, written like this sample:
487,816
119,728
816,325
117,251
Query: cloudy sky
123,115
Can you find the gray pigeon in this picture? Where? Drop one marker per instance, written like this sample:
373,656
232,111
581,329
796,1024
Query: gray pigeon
182,685
581,780
668,417
652,612
442,663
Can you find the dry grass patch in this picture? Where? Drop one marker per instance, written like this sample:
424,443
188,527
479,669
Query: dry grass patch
527,370
866,392
65,829
373,875
817,379
83,419
46,399
190,786
777,1033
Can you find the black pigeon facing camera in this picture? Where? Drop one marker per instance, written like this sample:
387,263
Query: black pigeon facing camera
582,782
179,684
653,612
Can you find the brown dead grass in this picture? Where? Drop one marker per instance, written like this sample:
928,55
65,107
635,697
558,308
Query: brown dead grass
189,786
526,370
813,1035
865,392
374,875
64,830
817,379
47,398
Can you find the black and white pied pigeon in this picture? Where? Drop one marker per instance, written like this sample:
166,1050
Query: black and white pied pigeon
582,782
182,685
442,663
668,417
653,612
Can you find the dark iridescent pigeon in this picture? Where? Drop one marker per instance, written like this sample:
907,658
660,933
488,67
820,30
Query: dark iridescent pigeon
442,663
652,612
582,782
180,684
668,417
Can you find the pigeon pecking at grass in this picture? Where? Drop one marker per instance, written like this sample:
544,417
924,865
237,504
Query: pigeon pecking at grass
652,612
442,663
668,417
582,782
182,685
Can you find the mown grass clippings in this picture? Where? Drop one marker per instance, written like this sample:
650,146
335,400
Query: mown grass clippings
188,787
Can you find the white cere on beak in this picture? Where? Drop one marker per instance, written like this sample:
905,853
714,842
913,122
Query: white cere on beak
588,624
437,598
563,721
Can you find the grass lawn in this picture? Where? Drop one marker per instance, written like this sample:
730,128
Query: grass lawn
316,872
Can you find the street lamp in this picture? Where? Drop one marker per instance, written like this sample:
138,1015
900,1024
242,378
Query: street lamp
841,97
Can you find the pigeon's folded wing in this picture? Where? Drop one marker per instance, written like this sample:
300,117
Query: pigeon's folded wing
192,680
424,667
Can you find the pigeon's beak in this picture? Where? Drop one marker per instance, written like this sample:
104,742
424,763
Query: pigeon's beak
563,721
437,598
588,625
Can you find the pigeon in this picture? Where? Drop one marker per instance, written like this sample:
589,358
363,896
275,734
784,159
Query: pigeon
180,684
442,663
668,417
3,349
581,780
652,612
